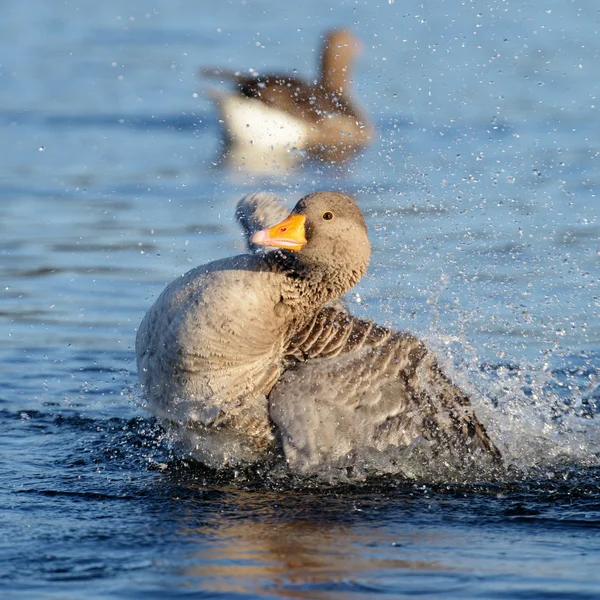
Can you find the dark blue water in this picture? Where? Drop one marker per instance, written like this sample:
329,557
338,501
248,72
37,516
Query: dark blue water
481,198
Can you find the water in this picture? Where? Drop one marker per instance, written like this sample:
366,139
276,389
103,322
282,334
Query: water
480,196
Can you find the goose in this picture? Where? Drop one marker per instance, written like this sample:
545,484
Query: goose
279,113
255,358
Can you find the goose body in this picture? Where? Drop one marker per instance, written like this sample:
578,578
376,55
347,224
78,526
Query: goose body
254,357
276,113
255,126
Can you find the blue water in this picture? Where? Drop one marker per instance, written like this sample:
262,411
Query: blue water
481,198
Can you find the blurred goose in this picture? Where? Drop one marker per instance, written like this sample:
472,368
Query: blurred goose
280,112
249,357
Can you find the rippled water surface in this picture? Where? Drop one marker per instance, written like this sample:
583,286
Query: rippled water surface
481,199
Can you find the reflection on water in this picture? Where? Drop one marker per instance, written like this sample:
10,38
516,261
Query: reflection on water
291,546
408,539
276,560
274,161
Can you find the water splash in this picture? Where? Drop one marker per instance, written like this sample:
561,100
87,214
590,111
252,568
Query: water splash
541,413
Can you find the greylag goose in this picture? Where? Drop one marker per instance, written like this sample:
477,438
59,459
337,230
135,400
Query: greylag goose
281,112
250,357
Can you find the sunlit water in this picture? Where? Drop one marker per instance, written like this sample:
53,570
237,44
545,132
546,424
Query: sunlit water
480,196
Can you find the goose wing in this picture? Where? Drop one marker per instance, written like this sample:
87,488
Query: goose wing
356,390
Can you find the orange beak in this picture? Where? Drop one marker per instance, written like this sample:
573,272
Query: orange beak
287,234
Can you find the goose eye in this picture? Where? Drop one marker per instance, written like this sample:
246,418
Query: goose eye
327,215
